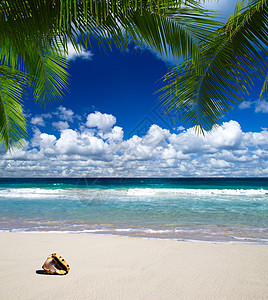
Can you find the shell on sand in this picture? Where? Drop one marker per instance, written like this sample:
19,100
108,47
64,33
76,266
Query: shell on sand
55,264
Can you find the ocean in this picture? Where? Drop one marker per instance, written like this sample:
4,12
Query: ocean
195,209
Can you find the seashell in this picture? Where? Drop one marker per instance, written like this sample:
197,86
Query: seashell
55,264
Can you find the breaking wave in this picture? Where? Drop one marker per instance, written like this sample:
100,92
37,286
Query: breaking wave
73,194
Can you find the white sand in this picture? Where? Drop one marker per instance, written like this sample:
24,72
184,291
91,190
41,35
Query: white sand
106,268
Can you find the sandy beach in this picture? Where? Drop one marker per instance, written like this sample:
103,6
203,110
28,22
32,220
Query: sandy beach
107,267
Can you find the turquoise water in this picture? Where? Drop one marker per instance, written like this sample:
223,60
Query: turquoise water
208,209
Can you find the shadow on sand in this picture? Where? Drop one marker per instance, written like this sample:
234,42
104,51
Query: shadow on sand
41,272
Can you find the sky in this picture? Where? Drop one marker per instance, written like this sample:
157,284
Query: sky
110,123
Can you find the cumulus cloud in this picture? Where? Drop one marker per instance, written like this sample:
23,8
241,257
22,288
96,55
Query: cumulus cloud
60,125
80,143
245,104
103,122
261,106
98,148
115,135
39,119
64,114
81,53
227,136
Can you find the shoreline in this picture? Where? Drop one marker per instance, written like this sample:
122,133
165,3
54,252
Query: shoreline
137,237
119,267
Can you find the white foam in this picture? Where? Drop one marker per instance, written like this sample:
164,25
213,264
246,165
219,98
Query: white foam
31,193
195,192
123,194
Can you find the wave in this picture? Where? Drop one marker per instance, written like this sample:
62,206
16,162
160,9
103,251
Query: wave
73,194
31,193
196,192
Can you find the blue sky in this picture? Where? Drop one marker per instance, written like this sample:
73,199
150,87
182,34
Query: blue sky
111,124
124,84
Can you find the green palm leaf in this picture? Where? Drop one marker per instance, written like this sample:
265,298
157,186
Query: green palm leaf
12,122
178,32
202,91
167,26
42,70
264,90
48,76
54,23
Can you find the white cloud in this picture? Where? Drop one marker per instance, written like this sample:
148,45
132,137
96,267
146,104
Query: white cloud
245,104
227,151
256,139
60,125
80,53
218,163
64,114
39,119
261,106
115,135
103,122
80,143
227,136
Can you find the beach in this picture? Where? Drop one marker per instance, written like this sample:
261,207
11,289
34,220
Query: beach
113,267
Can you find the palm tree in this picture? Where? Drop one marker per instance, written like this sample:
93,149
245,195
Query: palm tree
34,35
201,90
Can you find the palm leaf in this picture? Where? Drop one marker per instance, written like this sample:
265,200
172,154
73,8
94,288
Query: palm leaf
231,60
12,121
264,90
178,32
54,23
48,74
166,26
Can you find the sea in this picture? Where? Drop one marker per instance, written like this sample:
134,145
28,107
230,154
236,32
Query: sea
185,209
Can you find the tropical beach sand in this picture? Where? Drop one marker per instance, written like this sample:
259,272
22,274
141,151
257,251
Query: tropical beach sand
107,267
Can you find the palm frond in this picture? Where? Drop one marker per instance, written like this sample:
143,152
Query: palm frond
12,121
166,26
46,71
48,76
178,32
264,90
54,23
202,91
